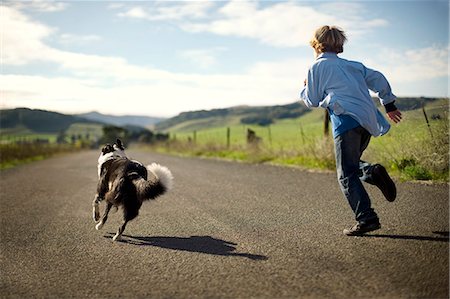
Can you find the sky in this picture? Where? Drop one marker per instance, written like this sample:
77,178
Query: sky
161,58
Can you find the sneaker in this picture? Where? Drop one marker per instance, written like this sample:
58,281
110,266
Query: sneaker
383,181
361,228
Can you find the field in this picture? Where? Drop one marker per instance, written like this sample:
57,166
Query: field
21,145
413,149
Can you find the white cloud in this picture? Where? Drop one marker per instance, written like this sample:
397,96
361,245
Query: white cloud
72,39
135,12
161,11
38,5
413,65
286,24
22,38
280,24
202,58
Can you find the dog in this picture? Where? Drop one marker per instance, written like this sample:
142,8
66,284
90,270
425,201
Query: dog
126,183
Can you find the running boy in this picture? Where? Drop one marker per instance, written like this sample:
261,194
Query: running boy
342,87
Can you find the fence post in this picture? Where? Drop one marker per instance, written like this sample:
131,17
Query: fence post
228,137
426,119
302,133
270,136
195,137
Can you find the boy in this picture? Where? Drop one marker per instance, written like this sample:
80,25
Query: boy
342,87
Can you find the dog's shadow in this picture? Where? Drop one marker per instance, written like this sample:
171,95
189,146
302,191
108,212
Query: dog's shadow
200,244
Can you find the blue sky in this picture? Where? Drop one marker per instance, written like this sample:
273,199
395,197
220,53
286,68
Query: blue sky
160,58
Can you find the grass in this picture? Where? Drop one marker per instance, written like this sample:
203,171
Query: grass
414,150
20,145
14,154
409,150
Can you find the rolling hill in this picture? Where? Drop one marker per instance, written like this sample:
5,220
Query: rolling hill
123,120
41,121
38,121
263,115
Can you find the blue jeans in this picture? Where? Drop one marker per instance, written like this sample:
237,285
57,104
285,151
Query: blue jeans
351,172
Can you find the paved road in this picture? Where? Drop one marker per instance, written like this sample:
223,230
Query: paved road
227,230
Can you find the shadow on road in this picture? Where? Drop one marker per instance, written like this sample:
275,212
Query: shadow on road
201,244
418,238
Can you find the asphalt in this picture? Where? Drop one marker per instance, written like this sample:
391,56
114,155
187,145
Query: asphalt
226,230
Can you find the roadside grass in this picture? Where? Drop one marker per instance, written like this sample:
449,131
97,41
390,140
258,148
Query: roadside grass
13,154
412,150
20,145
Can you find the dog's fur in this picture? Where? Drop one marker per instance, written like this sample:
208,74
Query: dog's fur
126,183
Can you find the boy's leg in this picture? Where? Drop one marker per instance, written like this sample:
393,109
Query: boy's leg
348,149
377,175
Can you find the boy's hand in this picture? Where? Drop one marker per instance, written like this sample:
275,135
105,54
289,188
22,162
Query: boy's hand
395,116
305,82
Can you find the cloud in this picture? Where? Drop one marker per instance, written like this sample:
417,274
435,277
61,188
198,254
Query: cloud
72,39
135,12
22,38
38,5
286,24
203,58
163,11
413,65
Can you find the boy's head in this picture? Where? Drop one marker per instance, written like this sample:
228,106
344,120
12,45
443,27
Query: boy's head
328,39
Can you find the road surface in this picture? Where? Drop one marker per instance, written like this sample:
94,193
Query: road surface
227,230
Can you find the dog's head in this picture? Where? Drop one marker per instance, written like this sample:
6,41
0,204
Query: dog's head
110,152
116,150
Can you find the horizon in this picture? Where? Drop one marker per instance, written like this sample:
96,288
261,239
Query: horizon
189,111
159,59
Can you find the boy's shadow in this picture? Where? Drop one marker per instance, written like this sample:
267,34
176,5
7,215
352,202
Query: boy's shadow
201,244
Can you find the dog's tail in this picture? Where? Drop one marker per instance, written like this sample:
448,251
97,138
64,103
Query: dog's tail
159,182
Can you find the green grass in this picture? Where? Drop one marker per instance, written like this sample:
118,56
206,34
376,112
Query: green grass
19,145
13,154
413,149
22,134
409,151
93,131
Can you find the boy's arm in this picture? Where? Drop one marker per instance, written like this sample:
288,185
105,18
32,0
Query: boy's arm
378,83
310,93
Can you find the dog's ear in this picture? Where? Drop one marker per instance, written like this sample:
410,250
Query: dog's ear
107,149
119,144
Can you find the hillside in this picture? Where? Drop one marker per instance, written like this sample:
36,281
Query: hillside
38,121
262,115
265,115
123,120
41,121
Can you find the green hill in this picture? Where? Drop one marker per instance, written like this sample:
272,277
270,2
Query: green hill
37,121
264,115
246,115
122,120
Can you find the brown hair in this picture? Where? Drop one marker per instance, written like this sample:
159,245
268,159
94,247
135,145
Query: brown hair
328,39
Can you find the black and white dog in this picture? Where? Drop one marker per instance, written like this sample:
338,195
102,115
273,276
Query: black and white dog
126,183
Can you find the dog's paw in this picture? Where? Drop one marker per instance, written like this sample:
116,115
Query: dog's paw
117,237
99,226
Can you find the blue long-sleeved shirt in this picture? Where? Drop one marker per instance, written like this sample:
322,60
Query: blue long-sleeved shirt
342,86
